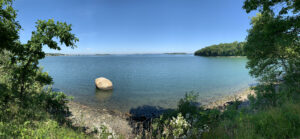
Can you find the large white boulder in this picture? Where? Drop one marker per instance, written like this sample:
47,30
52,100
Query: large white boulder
103,84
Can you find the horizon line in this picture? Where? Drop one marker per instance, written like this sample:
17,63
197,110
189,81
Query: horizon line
119,53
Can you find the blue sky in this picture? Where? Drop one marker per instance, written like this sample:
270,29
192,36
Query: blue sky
140,26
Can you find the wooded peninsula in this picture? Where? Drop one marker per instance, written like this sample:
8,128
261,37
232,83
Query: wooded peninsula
223,49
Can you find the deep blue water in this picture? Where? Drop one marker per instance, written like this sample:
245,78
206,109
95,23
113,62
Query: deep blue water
155,80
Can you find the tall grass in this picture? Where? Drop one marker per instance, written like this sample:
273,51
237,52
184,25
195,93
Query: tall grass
271,115
276,122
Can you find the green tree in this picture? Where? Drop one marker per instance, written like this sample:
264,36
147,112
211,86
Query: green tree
273,42
28,55
9,27
23,59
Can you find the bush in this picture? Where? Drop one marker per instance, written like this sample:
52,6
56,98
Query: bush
189,120
276,122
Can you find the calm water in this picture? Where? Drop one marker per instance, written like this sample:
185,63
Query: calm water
139,80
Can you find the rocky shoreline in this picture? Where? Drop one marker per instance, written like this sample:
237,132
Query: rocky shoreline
127,124
116,123
223,102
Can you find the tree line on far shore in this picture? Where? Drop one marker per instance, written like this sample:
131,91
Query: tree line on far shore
223,49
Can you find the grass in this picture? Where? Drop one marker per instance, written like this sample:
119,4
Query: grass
38,129
31,118
17,122
274,122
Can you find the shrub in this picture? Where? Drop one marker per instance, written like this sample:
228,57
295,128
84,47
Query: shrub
189,120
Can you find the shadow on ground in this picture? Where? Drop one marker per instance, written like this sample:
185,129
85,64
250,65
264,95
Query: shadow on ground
141,117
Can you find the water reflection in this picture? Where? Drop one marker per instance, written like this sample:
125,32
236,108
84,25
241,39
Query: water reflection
103,95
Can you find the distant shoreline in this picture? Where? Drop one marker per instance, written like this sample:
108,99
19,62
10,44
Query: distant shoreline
60,54
220,56
179,53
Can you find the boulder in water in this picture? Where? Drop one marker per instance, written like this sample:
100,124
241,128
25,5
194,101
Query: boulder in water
103,84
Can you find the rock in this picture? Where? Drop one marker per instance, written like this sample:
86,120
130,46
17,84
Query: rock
103,84
103,95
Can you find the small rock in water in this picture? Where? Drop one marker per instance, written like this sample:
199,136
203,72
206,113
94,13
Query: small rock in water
103,84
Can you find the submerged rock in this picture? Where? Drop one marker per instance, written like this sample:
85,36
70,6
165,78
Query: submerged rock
103,84
102,95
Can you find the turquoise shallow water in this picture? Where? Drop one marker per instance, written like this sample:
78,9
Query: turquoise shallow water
154,80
